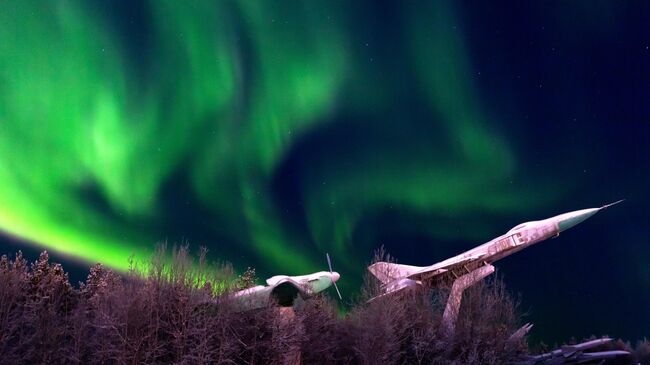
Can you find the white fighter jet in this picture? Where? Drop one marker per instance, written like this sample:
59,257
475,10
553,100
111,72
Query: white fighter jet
284,289
467,268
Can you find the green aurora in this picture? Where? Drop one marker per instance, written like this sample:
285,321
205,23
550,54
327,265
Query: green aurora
78,113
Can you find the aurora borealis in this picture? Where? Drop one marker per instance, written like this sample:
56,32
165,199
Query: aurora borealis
275,132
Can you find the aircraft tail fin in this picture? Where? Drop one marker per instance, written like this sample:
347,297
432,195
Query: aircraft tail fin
387,272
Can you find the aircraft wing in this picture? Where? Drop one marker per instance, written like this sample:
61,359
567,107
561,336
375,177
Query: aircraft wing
585,345
444,266
252,298
590,357
574,354
395,287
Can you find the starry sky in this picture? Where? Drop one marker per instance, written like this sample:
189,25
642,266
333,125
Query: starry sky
273,132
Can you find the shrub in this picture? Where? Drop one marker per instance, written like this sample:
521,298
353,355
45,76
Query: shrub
182,312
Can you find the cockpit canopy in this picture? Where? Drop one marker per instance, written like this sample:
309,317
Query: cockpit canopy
520,226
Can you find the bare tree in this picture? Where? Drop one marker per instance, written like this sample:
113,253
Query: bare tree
180,310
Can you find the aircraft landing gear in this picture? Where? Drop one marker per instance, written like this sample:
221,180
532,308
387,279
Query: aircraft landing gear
456,294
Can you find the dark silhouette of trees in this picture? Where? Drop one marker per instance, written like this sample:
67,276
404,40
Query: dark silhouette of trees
180,311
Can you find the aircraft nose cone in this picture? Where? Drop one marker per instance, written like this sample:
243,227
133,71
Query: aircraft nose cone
569,220
335,276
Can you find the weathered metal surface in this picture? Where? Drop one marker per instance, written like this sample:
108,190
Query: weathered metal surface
457,271
516,239
283,290
574,354
456,294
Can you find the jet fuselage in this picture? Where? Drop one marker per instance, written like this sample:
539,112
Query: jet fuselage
516,239
525,235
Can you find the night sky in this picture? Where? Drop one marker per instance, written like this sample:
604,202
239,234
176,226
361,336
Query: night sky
272,132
